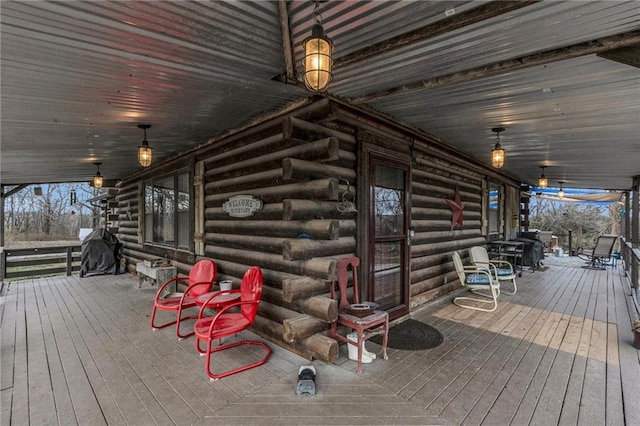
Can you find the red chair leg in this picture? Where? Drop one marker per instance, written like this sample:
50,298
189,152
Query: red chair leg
179,320
239,369
153,316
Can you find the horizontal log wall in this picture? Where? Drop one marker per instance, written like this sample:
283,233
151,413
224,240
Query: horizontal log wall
434,182
298,170
299,174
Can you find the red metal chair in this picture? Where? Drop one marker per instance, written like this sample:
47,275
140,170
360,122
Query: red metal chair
372,324
226,323
200,280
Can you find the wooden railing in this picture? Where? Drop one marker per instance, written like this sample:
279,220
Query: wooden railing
38,262
631,258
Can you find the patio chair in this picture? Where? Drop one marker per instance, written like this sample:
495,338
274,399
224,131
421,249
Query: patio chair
225,323
597,257
366,321
200,280
480,282
501,270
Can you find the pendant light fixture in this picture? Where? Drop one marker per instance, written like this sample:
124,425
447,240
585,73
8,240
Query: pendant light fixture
318,56
542,180
97,179
561,191
497,154
145,153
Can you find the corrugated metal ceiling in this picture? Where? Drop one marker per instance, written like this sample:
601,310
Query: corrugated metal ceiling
77,77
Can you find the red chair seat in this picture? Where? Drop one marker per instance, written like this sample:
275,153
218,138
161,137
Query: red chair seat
227,325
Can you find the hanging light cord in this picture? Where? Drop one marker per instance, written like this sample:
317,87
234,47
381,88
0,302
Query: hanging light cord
316,13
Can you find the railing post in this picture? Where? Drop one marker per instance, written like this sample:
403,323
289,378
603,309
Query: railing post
3,264
570,242
69,260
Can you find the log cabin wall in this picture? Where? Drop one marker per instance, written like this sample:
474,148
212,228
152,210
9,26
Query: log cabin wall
300,163
300,171
434,182
436,170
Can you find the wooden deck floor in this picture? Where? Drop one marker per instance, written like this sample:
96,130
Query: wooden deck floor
80,351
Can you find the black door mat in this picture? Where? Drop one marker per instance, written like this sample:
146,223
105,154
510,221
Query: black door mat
412,335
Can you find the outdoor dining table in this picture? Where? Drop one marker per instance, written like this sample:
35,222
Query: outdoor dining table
508,250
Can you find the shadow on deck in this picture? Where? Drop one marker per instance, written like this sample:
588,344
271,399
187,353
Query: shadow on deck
80,351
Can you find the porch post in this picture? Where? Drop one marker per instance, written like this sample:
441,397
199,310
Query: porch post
634,232
2,254
626,252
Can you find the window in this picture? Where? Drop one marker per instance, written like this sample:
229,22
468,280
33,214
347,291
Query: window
167,210
494,209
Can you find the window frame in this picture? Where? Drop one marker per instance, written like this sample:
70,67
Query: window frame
498,232
177,225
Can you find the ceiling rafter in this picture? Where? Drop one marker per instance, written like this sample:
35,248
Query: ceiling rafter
599,46
625,55
454,22
287,45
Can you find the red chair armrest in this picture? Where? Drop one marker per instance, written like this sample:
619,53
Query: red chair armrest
215,294
194,285
175,279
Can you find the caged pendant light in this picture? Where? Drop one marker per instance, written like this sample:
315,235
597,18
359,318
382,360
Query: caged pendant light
497,154
318,56
543,182
145,152
97,179
561,191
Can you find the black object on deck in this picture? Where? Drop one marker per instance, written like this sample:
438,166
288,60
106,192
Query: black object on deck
100,253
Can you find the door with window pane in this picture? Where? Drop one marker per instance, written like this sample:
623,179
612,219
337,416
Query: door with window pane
388,233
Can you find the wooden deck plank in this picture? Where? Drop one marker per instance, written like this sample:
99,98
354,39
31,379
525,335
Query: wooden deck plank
473,402
132,358
92,401
573,397
64,411
529,362
8,336
163,349
41,407
552,342
153,393
556,393
613,404
174,398
20,398
439,391
410,381
126,390
500,406
9,301
594,388
490,375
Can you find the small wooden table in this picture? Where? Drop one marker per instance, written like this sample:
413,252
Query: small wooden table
160,274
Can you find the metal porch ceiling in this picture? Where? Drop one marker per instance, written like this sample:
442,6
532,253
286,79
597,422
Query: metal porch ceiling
77,77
